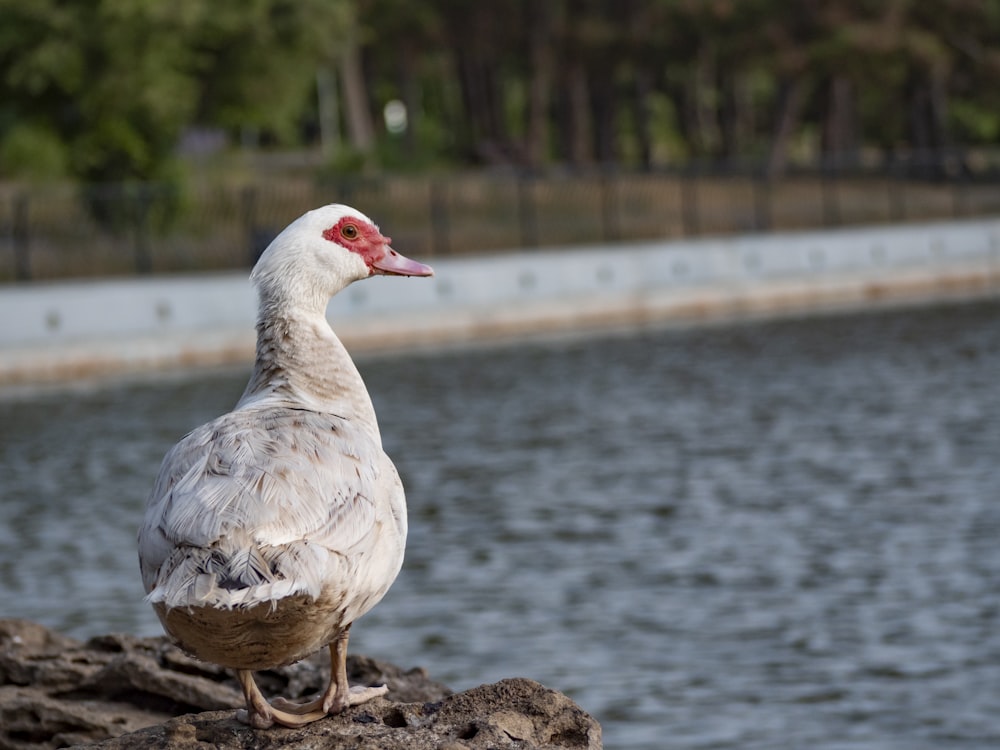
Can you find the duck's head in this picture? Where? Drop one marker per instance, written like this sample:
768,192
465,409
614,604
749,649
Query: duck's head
322,252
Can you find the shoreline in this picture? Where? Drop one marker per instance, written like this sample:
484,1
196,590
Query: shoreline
121,692
92,330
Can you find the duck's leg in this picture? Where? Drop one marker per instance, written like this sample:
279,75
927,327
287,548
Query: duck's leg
338,694
260,714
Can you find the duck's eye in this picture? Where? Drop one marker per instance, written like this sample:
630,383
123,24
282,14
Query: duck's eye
349,232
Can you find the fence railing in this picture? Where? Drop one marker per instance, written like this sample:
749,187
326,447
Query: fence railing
66,231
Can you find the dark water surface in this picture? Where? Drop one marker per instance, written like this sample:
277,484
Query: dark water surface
771,535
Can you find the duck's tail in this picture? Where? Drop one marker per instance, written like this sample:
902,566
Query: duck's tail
239,573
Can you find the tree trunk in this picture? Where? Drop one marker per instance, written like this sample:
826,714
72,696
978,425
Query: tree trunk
602,103
408,89
939,110
729,125
329,112
468,135
928,128
681,100
575,115
539,17
487,140
360,129
791,97
706,125
642,117
839,135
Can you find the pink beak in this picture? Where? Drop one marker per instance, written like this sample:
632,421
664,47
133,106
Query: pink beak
392,263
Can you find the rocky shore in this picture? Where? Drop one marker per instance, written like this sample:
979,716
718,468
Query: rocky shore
123,692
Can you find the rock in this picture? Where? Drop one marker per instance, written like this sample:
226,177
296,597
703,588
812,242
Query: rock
515,713
118,691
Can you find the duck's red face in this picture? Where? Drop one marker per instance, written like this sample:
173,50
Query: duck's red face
363,238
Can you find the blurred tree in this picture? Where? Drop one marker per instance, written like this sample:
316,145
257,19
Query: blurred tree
109,79
484,39
588,81
102,88
255,61
540,19
118,80
957,60
405,58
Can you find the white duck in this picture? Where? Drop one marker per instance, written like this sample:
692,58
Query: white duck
272,528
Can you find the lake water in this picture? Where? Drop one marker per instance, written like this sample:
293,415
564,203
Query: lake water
769,535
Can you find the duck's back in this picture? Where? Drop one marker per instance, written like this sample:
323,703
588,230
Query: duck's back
271,508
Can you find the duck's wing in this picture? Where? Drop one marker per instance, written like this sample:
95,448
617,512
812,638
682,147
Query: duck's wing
258,502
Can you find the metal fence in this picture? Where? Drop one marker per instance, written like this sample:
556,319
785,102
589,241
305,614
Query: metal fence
66,231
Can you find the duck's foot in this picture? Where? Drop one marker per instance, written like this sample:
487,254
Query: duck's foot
260,714
329,704
287,713
269,717
338,696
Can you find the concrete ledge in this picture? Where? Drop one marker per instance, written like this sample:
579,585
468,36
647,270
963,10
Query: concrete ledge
70,330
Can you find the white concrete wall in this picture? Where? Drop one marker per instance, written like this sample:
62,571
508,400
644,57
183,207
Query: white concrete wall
72,329
60,313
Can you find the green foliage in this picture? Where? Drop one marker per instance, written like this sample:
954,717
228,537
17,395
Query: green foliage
103,89
347,162
701,79
257,60
35,152
111,79
140,208
975,122
118,80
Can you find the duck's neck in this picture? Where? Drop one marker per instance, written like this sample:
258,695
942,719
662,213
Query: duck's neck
301,362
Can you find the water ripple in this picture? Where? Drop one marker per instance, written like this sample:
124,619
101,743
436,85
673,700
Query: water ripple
771,535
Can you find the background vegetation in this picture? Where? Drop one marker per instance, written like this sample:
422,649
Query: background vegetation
144,135
104,90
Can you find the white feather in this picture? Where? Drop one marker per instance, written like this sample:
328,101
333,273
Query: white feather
291,492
